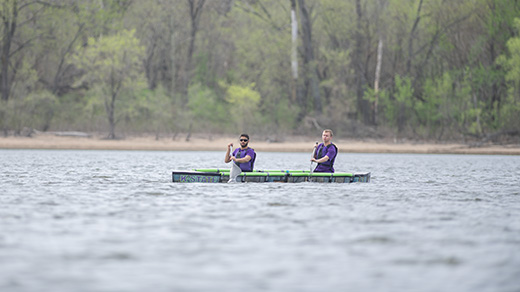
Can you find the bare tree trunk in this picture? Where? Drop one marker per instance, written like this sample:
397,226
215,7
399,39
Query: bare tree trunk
195,13
475,105
495,97
9,22
109,106
378,76
296,93
309,61
401,118
411,38
60,71
363,107
5,71
172,56
294,41
380,25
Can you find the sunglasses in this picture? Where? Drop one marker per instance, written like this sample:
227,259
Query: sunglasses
243,140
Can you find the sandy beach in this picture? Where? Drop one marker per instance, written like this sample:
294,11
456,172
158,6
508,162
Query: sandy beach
203,143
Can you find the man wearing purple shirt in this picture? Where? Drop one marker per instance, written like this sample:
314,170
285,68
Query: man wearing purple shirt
325,153
244,156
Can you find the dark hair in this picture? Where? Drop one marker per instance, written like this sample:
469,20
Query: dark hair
245,135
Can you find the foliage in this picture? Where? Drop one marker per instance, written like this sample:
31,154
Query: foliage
432,111
35,111
150,111
110,59
207,113
449,69
511,64
38,110
112,67
397,107
243,106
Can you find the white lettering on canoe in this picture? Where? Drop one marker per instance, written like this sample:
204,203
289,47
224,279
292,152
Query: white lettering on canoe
190,178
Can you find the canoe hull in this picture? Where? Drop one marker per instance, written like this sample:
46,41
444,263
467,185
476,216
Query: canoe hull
219,176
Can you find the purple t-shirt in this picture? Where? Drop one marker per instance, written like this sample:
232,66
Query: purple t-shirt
241,153
322,151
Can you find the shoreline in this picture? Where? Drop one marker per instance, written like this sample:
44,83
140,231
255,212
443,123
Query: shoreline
293,144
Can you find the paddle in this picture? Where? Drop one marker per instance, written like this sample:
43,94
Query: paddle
235,169
312,156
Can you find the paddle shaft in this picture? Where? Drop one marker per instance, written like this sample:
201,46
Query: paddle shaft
313,152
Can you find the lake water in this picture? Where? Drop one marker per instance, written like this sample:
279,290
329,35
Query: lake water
114,221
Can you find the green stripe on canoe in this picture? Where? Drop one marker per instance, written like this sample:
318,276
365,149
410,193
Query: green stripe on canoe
321,174
272,173
300,174
297,173
276,173
212,169
255,171
259,174
342,174
254,174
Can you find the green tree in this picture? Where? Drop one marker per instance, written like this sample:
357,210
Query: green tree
151,111
16,36
243,102
208,114
113,65
433,112
398,107
38,110
14,117
511,63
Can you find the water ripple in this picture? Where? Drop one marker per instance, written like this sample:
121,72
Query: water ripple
113,221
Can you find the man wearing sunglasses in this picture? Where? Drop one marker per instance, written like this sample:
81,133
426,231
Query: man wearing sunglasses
244,156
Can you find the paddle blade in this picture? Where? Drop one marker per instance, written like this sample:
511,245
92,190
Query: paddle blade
313,167
234,172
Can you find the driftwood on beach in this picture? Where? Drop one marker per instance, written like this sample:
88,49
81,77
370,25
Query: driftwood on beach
72,134
63,133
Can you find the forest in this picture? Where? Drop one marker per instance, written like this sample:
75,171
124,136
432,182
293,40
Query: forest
435,70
